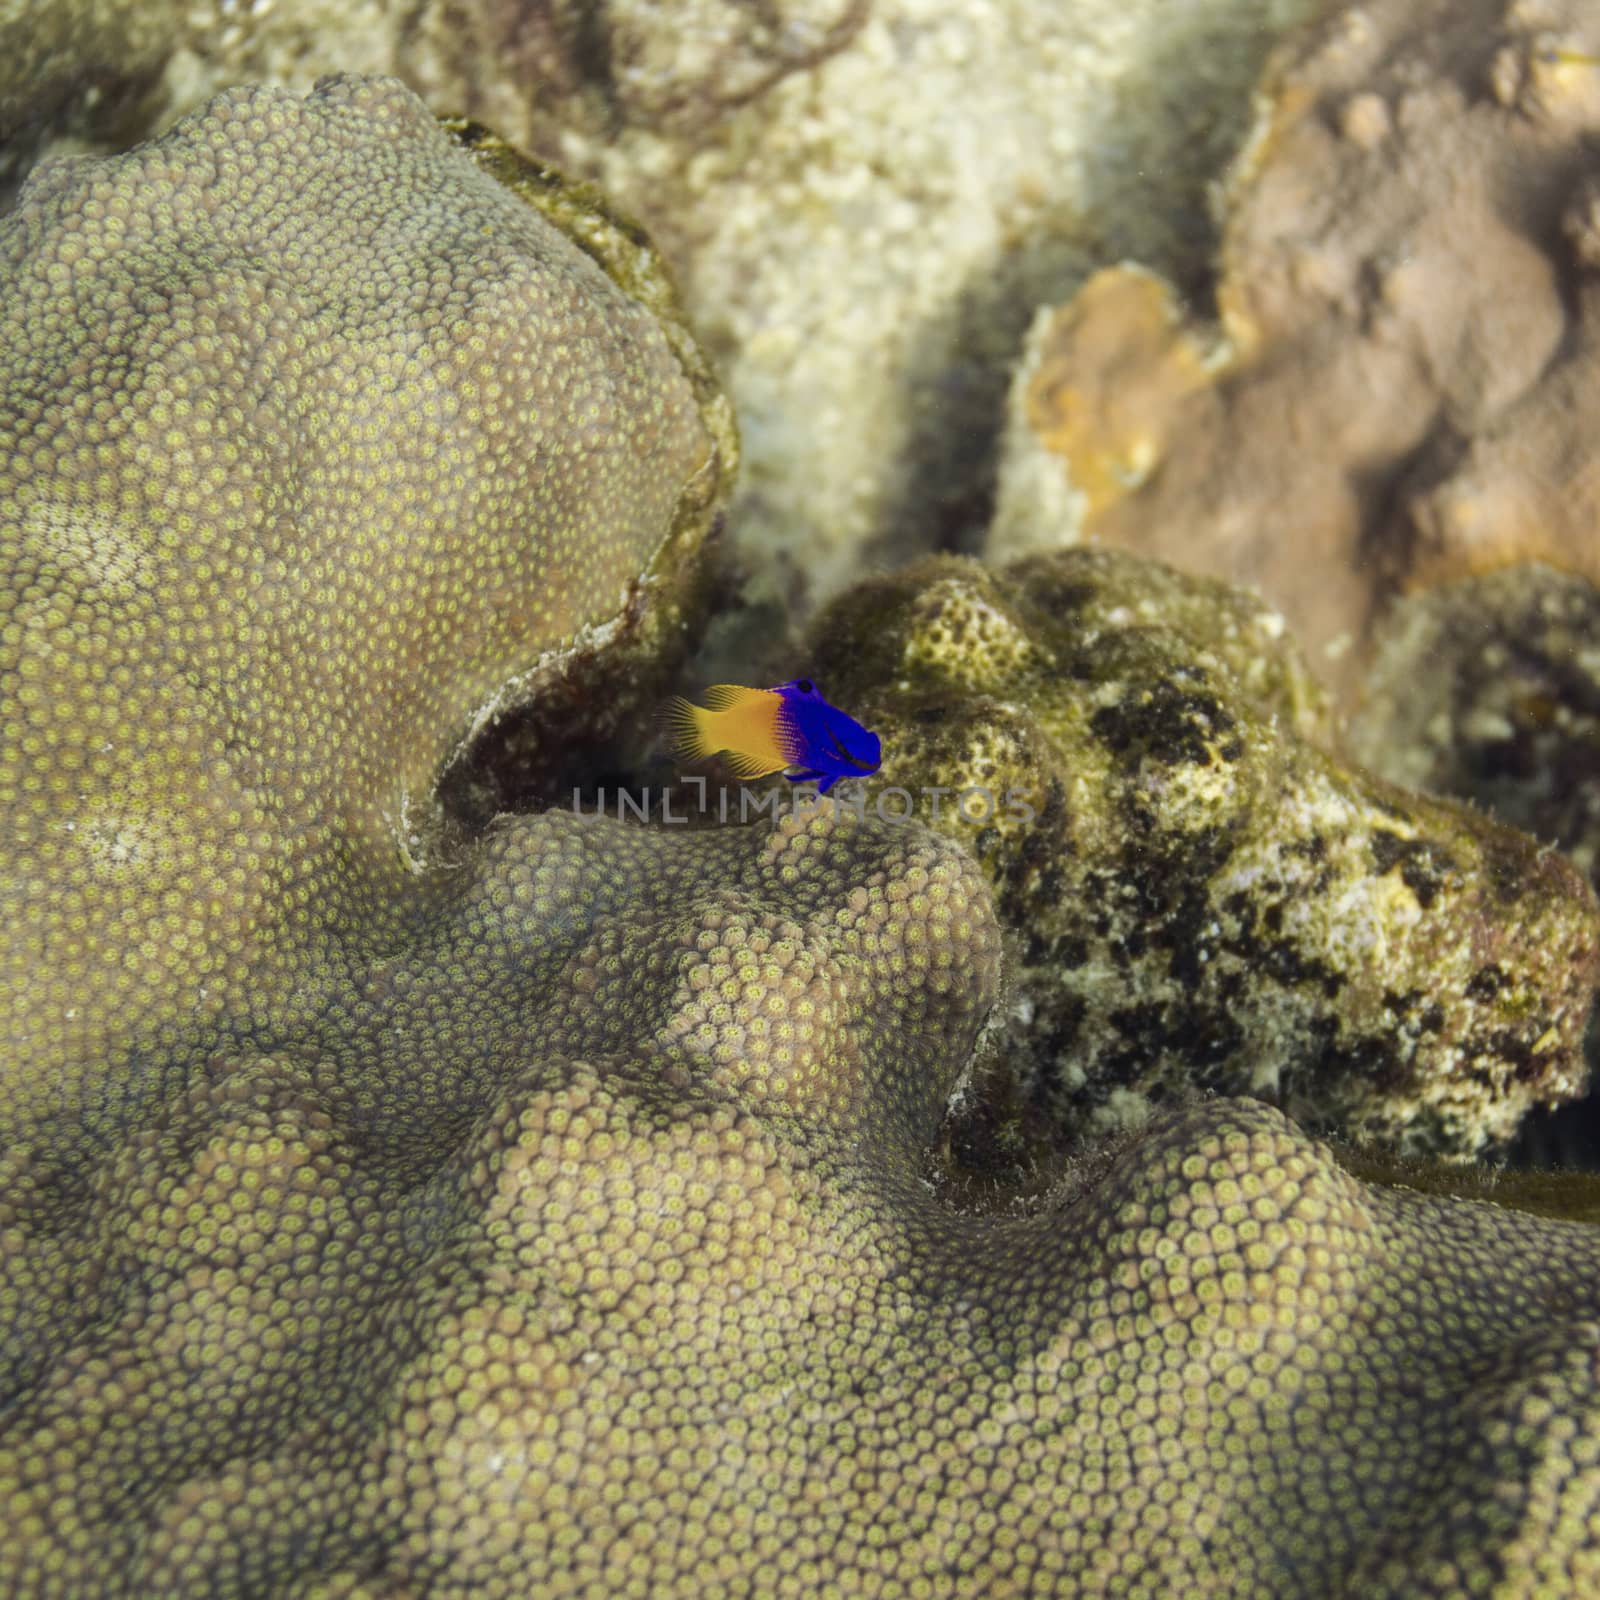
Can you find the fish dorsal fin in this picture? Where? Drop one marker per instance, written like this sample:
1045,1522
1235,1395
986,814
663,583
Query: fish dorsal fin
730,696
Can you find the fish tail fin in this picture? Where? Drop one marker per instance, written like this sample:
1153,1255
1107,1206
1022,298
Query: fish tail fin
689,728
737,720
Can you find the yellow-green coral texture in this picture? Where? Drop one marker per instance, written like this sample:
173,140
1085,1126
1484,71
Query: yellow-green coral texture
558,1222
588,1250
299,412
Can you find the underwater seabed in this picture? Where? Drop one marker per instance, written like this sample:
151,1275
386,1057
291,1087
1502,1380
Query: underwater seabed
1136,1137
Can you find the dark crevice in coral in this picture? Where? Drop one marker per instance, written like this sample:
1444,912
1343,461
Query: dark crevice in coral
592,57
1390,539
532,760
98,104
955,401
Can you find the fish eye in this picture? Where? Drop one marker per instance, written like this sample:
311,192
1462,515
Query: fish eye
806,686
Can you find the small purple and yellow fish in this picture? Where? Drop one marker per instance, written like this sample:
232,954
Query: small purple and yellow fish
764,730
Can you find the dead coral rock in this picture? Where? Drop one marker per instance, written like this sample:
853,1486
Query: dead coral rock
1398,383
572,66
863,201
1110,379
1203,895
318,447
1488,688
862,244
1526,487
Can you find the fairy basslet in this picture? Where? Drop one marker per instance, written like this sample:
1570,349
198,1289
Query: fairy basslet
764,730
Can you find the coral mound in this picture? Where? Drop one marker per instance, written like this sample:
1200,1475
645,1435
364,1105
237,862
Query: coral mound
312,435
621,1134
587,1247
386,1211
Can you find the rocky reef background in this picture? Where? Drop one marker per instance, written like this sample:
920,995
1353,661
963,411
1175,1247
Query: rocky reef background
863,203
412,1182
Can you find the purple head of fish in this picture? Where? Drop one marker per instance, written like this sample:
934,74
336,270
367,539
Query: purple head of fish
830,744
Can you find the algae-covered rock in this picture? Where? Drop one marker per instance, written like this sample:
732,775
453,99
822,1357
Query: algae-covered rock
318,447
1489,689
1202,893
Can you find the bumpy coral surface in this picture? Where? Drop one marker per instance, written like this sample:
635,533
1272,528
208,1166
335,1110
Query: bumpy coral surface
586,1247
1398,389
299,407
1204,894
555,1212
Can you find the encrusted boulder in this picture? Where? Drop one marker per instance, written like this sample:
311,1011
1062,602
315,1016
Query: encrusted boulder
1202,892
